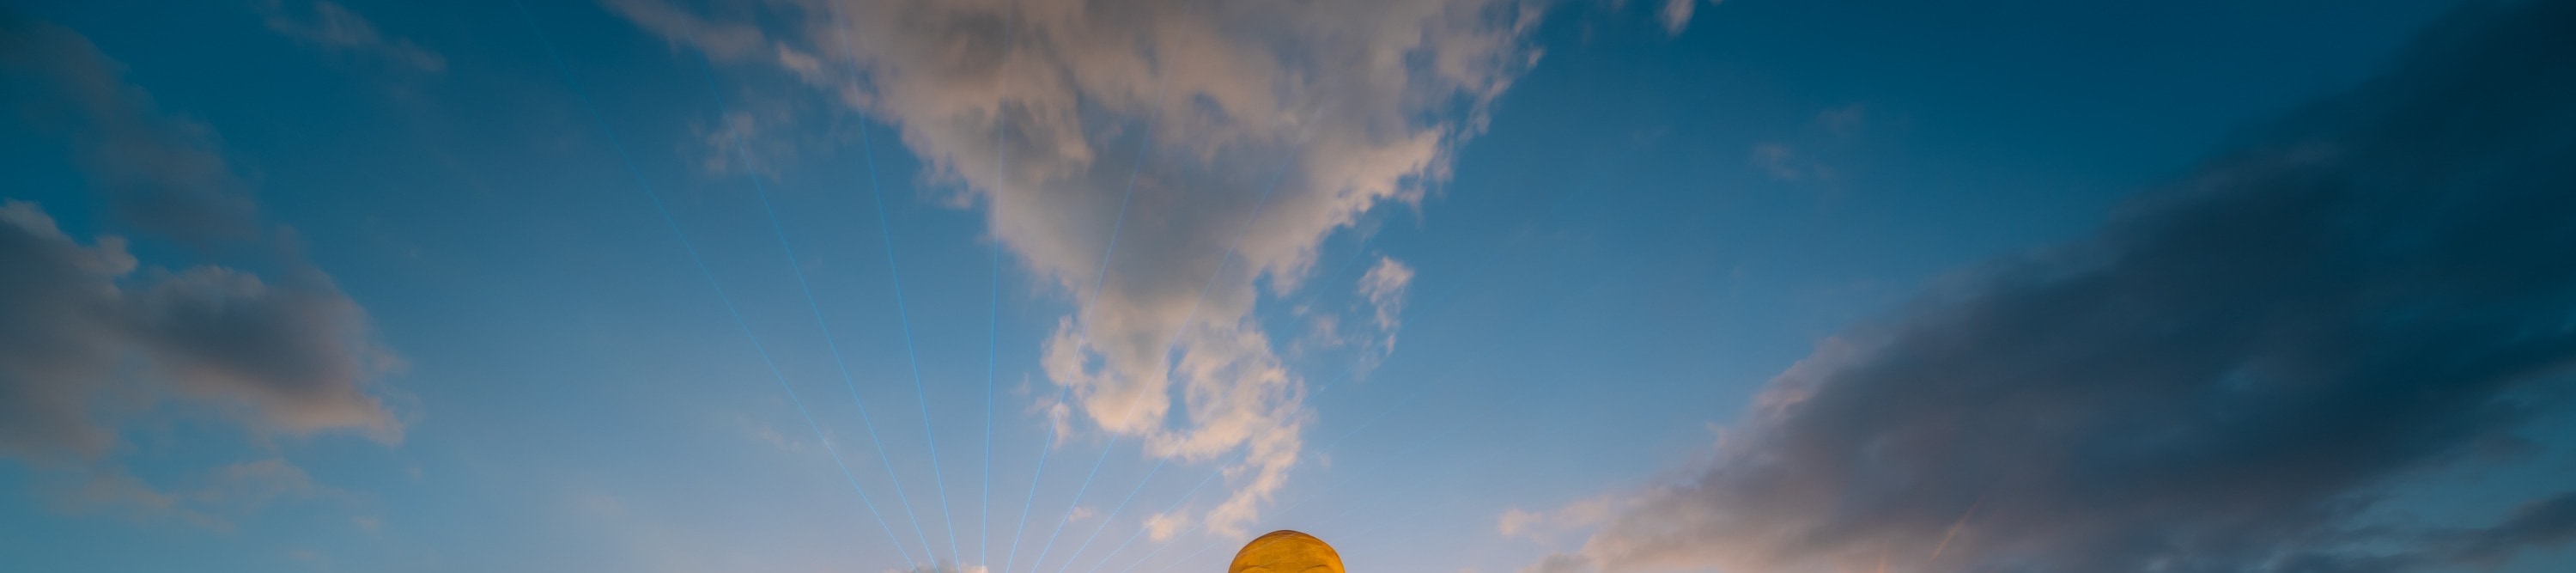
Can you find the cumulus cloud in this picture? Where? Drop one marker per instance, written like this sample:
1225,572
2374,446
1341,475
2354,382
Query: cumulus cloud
93,333
1163,124
2230,377
333,27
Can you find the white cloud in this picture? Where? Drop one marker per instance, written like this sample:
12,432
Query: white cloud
1363,101
1162,526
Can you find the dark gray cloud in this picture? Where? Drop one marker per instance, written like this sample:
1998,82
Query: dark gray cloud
2541,523
52,292
165,174
83,329
2231,376
88,333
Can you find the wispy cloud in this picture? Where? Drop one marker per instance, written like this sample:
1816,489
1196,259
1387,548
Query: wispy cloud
1164,124
1809,156
1676,15
2228,378
1384,287
334,27
1780,160
208,500
1162,526
754,430
1517,522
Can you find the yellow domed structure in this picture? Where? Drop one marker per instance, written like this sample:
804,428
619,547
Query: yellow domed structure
1285,551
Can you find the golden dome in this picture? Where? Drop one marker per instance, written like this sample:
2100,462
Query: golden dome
1285,551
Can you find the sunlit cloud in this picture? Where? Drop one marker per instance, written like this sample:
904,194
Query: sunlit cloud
1161,164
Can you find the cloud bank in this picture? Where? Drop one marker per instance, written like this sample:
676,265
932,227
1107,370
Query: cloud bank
1167,125
92,334
2230,377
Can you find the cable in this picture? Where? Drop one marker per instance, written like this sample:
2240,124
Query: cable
993,331
1144,148
1113,514
1043,449
1258,206
894,274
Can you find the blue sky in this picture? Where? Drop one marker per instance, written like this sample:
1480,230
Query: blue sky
1457,285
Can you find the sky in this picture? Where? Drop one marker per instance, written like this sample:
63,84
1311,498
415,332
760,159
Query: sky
1113,286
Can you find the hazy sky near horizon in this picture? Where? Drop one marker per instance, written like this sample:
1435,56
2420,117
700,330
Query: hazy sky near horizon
1497,286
